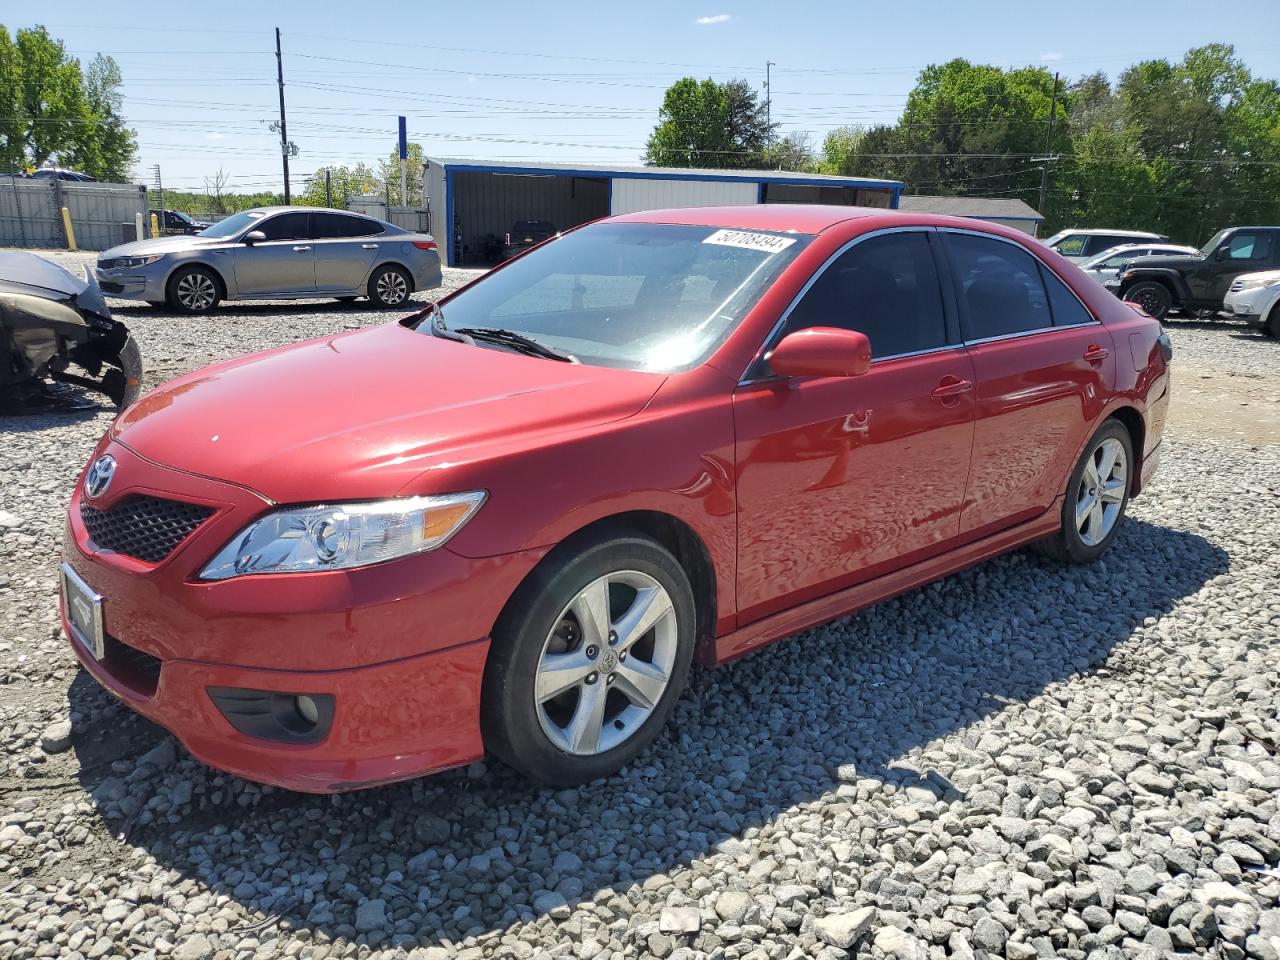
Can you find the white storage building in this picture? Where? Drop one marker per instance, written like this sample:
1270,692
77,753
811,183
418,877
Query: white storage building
474,203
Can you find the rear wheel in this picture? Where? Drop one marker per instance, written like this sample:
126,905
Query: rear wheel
1272,325
1097,495
588,660
389,286
1152,297
194,290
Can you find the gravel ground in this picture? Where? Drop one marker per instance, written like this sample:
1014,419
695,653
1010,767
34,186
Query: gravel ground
1022,760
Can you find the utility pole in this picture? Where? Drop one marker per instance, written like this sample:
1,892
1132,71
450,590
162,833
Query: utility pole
284,130
328,188
1048,147
768,107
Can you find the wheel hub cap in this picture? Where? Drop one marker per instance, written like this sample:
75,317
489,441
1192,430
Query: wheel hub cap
1102,491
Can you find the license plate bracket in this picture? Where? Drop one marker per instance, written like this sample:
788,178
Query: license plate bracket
84,613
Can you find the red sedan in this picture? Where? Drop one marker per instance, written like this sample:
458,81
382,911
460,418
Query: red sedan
510,522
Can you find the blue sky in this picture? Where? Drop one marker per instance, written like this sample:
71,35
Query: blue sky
571,81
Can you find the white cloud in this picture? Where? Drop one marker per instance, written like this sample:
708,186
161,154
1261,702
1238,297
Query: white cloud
1049,57
711,21
215,136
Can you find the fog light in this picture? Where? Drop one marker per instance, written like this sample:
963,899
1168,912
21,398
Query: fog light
307,710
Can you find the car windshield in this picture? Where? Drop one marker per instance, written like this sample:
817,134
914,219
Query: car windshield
1212,245
641,296
232,225
1106,255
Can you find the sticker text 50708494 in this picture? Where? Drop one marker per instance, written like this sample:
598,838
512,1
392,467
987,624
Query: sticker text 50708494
764,242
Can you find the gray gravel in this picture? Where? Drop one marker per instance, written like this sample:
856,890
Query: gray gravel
1024,760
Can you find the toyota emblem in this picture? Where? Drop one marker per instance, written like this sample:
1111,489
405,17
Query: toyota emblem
100,474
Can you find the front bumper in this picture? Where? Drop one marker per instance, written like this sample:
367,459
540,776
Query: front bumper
1248,305
400,646
146,283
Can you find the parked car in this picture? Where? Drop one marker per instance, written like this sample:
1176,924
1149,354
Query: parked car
1198,282
1106,265
1255,299
523,235
1080,245
274,253
56,327
175,221
60,173
510,521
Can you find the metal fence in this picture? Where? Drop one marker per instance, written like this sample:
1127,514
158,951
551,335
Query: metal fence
409,218
102,214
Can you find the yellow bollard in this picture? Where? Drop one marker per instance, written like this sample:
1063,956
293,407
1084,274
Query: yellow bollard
155,226
71,234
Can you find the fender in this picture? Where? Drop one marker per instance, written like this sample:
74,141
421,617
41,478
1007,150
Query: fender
1171,278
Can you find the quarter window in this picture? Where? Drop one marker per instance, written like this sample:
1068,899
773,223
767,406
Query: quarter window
885,287
1000,287
1065,306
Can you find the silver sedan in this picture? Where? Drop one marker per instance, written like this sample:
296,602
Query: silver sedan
274,253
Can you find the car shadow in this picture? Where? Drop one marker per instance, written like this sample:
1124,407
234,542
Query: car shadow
471,852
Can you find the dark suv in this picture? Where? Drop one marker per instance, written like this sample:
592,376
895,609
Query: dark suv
1197,283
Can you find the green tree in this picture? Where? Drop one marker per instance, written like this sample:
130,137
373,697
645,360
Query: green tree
345,182
389,173
709,124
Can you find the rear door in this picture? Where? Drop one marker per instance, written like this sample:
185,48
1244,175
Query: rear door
346,247
284,263
1043,366
841,479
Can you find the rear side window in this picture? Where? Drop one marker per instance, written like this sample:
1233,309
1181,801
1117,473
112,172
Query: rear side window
1065,306
337,225
885,287
285,226
1000,287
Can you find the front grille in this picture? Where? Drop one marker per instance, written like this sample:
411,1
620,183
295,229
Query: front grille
105,263
131,666
146,528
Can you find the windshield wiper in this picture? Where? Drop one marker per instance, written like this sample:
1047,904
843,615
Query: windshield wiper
512,339
435,317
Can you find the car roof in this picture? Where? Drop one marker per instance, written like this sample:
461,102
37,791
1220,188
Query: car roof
1093,232
808,218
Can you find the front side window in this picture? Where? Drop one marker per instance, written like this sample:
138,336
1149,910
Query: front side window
1249,246
286,226
641,296
1072,245
999,286
886,287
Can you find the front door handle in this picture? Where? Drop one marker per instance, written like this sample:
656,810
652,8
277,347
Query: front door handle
1096,352
368,246
951,387
301,249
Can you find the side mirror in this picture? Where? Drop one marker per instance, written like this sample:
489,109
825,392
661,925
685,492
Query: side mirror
253,236
1222,253
822,352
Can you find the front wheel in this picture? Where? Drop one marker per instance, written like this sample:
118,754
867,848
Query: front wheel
1152,297
1272,325
1097,495
588,660
389,287
193,290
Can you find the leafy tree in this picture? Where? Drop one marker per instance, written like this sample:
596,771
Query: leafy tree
345,182
389,172
55,112
709,124
794,152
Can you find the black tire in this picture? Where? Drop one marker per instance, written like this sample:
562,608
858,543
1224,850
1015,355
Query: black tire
1152,296
193,290
1272,326
1069,545
131,366
511,721
390,286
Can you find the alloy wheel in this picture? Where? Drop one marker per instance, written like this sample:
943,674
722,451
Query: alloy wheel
196,291
606,663
392,288
1100,496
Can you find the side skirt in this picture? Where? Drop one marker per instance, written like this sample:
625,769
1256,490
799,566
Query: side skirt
860,596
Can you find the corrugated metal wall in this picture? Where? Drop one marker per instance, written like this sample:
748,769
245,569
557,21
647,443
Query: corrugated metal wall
631,195
485,205
102,214
433,200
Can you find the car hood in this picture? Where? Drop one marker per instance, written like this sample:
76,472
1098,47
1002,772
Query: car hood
1179,261
363,415
174,244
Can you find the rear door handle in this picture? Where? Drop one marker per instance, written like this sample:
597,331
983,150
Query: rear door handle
301,249
368,246
951,387
1096,352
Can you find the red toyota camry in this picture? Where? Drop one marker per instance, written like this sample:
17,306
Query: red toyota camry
510,522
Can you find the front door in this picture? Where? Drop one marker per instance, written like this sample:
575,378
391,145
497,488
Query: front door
1244,251
841,479
284,263
1042,366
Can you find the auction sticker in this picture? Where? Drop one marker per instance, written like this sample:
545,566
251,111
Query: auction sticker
764,242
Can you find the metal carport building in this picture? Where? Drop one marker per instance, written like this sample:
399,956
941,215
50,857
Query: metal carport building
472,203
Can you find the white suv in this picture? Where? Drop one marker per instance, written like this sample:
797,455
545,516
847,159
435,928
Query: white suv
1255,299
1079,245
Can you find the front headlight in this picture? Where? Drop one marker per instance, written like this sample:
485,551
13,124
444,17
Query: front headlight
341,536
129,263
1253,283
